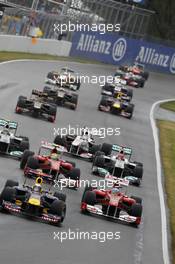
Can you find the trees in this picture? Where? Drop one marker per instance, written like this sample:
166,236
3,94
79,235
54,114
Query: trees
163,23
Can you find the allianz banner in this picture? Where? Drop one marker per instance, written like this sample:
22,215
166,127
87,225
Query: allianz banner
115,49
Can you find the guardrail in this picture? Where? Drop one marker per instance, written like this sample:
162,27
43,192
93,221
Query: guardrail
41,46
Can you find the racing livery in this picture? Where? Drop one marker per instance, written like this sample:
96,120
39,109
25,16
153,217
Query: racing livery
66,78
38,105
82,146
118,165
50,166
33,201
61,96
112,203
116,106
10,143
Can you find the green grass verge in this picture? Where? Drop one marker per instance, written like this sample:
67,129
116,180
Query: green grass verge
167,150
169,106
6,56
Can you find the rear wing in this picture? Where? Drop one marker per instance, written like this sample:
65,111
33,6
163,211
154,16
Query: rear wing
118,148
11,124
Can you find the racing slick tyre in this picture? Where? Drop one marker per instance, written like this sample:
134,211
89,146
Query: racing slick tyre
98,153
11,183
26,154
52,113
137,199
24,145
94,149
21,102
136,210
87,187
46,90
106,148
78,85
32,163
145,75
74,174
89,198
142,83
60,196
103,102
58,208
107,88
130,110
8,194
59,140
99,161
130,93
138,172
74,101
21,97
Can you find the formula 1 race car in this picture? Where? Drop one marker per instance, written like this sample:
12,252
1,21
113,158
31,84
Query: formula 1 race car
66,78
116,106
82,146
33,202
131,79
48,163
137,69
10,143
112,203
61,97
37,105
117,90
119,165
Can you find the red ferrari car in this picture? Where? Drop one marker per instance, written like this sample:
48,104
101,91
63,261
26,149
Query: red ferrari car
49,165
112,203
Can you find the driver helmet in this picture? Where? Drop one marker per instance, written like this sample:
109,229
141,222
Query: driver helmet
54,156
116,188
37,188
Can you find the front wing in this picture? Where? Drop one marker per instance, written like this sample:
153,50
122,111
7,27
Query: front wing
124,217
16,209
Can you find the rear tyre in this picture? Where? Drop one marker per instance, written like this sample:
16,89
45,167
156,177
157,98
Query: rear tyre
60,196
59,140
24,145
99,161
74,174
89,198
106,148
138,172
11,183
24,158
136,210
58,208
32,163
8,194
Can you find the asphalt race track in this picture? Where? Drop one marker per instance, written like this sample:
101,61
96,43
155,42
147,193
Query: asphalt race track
25,241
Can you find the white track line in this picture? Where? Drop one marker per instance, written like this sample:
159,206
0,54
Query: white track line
166,257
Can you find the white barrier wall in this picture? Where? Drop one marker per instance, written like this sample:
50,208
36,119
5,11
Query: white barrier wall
42,46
